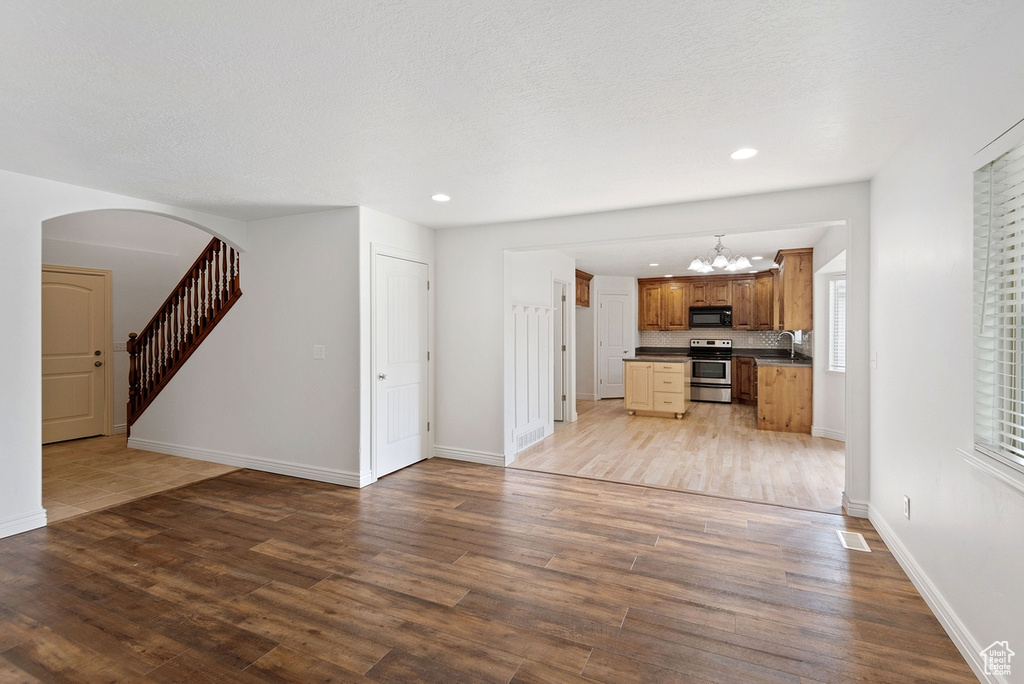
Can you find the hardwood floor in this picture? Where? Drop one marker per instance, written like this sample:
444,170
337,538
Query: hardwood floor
91,474
714,449
456,572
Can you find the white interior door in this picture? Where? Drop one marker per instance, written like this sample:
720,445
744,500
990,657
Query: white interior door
401,376
560,350
614,342
74,333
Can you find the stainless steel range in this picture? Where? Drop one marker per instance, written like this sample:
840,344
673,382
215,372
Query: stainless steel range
711,370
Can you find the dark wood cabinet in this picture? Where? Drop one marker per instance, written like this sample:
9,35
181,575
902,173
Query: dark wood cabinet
795,289
583,288
649,313
764,300
719,292
675,306
744,380
743,304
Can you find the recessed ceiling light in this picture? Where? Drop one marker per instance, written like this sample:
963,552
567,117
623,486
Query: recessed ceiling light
439,197
652,264
668,275
744,153
756,258
751,271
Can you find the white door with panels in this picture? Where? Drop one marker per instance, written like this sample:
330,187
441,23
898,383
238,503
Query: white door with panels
401,329
614,342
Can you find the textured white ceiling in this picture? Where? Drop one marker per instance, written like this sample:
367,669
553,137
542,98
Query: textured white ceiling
534,108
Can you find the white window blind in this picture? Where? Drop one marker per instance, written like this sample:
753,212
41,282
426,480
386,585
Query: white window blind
837,323
999,309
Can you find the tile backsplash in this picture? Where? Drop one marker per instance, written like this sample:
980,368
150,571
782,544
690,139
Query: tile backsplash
741,339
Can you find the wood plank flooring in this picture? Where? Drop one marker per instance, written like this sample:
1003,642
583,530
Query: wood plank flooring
91,474
714,449
456,572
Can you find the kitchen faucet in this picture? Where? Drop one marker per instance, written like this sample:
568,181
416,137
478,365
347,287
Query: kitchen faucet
792,342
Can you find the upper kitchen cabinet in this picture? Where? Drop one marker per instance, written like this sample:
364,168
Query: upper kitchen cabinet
710,292
795,289
743,304
649,312
675,306
583,287
764,300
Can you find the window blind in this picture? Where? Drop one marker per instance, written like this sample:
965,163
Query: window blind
999,308
837,323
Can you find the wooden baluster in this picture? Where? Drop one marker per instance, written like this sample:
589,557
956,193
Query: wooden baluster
223,274
211,294
235,266
133,376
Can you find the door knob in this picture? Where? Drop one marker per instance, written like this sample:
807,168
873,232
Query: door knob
382,376
97,352
98,364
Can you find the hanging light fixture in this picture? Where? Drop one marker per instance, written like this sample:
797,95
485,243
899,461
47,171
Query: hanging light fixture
719,257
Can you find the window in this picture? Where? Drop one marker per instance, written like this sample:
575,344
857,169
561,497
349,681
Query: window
837,323
999,309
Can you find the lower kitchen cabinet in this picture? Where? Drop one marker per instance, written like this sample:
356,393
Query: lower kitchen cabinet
784,398
657,388
744,380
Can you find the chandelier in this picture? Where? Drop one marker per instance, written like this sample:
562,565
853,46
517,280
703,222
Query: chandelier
719,257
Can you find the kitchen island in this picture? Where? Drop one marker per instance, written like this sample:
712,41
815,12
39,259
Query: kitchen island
657,385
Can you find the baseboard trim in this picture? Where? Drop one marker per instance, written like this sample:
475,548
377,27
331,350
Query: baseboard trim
306,472
121,429
482,457
854,508
586,397
828,433
968,646
17,524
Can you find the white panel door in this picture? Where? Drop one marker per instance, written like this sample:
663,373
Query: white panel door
74,338
614,342
401,376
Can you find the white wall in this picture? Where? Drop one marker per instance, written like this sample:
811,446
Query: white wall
27,202
396,237
252,394
963,543
586,351
470,326
142,278
829,386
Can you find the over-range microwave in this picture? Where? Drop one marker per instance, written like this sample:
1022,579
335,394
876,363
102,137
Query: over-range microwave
710,316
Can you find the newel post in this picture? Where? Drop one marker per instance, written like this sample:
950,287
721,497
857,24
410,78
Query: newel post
133,376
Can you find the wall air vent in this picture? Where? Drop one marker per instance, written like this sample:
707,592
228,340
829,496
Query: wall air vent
853,540
529,438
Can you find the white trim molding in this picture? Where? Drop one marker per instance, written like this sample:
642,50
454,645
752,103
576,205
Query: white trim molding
482,457
306,472
1006,476
854,508
121,428
828,433
968,646
17,524
587,397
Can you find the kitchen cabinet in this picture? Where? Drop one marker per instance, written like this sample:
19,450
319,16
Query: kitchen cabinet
675,309
583,287
764,300
711,292
784,398
744,380
649,312
743,304
795,289
657,388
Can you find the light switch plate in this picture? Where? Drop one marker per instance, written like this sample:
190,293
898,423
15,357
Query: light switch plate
318,352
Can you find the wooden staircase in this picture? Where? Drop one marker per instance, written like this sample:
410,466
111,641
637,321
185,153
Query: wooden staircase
200,300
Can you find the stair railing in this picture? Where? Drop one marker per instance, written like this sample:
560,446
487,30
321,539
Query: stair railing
199,301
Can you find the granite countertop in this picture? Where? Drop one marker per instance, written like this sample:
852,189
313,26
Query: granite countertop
764,357
661,358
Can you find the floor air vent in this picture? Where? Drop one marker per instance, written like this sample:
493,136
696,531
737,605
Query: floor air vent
529,439
853,540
